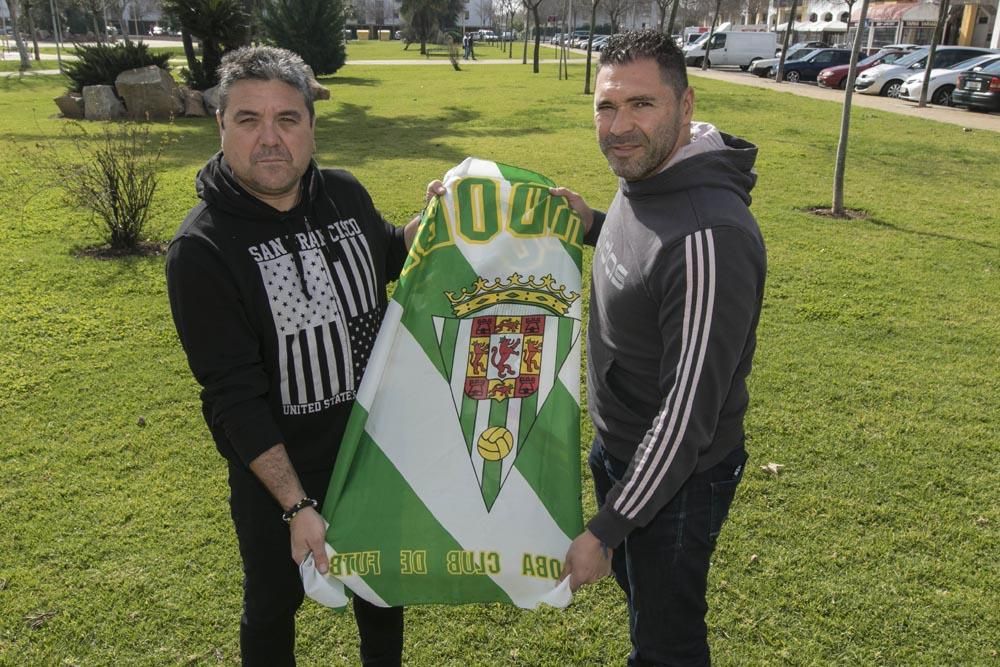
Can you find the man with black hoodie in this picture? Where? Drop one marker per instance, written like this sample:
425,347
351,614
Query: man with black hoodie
277,286
676,290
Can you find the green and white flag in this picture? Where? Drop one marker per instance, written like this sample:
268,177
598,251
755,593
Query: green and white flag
458,479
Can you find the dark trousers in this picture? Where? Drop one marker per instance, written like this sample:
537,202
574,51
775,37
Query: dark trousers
272,588
663,566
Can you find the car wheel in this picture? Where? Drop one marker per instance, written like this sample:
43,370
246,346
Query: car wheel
747,67
891,89
942,96
792,76
843,84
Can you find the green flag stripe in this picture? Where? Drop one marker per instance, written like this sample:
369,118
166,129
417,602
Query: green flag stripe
468,420
553,472
383,493
448,268
516,174
449,338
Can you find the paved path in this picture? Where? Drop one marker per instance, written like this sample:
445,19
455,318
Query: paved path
954,116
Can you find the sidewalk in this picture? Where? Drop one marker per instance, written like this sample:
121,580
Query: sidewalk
953,115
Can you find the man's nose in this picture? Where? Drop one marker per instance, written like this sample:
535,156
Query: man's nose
621,122
269,133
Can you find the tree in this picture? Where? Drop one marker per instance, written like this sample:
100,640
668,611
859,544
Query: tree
220,26
616,10
706,61
425,18
22,50
845,119
935,40
533,6
590,39
314,29
789,29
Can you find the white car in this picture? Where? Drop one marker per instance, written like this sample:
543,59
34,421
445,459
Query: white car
942,81
885,80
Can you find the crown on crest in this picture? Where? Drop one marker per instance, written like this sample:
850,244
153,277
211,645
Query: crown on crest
516,289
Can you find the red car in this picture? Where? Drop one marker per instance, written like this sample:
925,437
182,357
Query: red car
836,77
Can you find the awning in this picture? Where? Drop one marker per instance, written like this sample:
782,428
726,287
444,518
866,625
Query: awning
800,26
899,11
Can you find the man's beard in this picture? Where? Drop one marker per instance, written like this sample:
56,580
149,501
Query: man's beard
644,163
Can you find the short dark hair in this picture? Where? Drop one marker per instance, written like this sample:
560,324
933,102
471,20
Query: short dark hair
265,63
627,47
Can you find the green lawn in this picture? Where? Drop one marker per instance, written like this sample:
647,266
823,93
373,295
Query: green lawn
875,386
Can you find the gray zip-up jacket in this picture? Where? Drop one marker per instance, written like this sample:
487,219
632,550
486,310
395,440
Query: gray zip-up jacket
676,291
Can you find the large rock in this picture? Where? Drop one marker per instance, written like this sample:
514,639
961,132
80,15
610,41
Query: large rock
70,105
318,90
149,93
101,103
211,98
194,102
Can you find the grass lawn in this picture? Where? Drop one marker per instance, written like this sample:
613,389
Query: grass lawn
875,385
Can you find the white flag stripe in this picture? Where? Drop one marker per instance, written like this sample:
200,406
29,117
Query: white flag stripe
549,351
482,423
363,257
443,484
286,395
335,380
352,306
317,377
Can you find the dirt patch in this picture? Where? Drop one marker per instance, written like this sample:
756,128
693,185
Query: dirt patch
848,214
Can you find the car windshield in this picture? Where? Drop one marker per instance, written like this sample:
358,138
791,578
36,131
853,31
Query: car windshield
993,68
801,54
914,57
972,62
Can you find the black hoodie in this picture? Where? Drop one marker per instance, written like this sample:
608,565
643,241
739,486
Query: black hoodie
676,290
278,311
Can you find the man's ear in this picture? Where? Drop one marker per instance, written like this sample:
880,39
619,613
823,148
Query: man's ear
220,123
687,105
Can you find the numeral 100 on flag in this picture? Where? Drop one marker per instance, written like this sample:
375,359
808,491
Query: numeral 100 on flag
479,213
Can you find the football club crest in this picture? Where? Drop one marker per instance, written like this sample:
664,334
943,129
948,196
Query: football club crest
505,347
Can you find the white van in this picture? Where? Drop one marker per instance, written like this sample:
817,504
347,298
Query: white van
733,48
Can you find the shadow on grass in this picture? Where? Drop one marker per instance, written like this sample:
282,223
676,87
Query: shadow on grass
348,81
934,235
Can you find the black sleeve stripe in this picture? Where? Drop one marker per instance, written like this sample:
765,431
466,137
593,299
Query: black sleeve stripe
670,425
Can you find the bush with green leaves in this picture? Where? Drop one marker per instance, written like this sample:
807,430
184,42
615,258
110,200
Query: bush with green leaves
100,64
314,29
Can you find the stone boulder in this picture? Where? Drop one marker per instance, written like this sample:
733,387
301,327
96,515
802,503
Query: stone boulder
211,98
318,90
149,93
194,102
101,103
70,105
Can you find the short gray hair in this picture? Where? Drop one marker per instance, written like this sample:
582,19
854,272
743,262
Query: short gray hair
265,63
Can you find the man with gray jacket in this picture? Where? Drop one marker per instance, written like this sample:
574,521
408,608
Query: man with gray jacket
676,291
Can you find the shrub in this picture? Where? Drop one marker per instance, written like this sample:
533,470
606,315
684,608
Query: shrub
314,29
115,178
100,64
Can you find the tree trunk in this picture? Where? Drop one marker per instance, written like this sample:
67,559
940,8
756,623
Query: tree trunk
780,75
192,59
673,17
524,54
593,19
538,35
845,118
935,40
22,50
711,33
26,8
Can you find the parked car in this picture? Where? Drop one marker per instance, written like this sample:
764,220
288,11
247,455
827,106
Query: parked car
979,91
943,81
486,36
811,65
599,42
731,48
766,66
885,80
802,45
836,77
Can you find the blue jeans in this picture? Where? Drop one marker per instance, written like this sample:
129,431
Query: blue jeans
663,566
